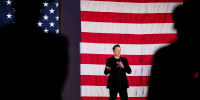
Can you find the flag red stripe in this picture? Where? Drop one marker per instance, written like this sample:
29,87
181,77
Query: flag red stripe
128,38
126,17
107,98
139,1
94,80
101,59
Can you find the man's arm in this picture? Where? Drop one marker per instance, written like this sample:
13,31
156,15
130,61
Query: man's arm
127,67
107,68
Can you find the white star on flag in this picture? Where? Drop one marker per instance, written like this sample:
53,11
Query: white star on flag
57,18
57,31
8,2
56,4
9,16
51,11
39,24
41,10
45,4
45,17
46,31
51,24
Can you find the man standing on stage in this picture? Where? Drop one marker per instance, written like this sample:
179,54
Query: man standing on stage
117,81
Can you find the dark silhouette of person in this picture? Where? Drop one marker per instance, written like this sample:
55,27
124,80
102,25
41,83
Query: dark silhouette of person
33,63
174,66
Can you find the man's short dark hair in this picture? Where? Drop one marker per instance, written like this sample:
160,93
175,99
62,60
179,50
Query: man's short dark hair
117,45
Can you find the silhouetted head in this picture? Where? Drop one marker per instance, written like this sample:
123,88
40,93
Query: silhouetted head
27,10
178,15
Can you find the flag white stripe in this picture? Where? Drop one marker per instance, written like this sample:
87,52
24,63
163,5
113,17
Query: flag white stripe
126,49
127,7
127,28
93,69
97,91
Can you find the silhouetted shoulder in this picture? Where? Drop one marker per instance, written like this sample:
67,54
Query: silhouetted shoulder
169,59
8,29
170,50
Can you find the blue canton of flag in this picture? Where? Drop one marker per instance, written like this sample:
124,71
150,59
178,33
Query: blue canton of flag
48,21
6,13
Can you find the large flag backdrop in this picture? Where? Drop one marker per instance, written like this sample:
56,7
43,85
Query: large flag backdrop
141,27
48,21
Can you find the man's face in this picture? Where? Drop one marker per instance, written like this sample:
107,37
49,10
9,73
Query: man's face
117,51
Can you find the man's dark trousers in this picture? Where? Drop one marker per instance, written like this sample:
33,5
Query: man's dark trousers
121,90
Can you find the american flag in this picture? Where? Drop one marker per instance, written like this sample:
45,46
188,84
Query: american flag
49,15
141,27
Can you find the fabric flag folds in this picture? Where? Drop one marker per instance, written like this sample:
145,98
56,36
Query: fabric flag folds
141,27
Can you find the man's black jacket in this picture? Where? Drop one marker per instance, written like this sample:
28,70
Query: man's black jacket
112,79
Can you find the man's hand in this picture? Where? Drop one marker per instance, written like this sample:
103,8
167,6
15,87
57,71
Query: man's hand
121,64
108,68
